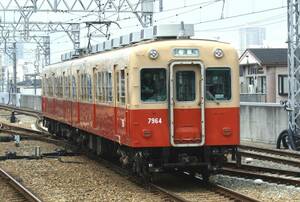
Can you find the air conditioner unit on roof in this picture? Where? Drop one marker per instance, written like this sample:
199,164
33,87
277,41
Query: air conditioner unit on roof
116,42
147,33
135,37
107,45
173,30
124,40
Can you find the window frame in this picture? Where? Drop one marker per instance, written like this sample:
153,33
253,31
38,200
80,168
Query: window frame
195,86
140,88
281,77
220,68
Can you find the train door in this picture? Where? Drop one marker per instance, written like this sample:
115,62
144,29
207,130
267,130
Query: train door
120,112
186,104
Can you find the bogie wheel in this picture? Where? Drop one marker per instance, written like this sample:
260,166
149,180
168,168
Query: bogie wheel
205,173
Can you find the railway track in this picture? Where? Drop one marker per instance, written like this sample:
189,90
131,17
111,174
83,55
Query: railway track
212,192
27,112
274,155
288,173
31,134
257,173
192,188
12,190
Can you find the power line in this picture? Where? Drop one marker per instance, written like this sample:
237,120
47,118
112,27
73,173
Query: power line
241,15
272,18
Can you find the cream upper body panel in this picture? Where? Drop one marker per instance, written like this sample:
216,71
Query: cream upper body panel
136,57
139,59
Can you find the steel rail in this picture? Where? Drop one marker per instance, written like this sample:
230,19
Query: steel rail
286,153
26,111
7,126
263,169
168,193
276,159
257,175
220,190
19,187
229,193
31,134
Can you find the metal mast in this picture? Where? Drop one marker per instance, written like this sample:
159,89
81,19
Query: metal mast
32,21
293,104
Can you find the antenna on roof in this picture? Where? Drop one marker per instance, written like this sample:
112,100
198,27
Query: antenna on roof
182,34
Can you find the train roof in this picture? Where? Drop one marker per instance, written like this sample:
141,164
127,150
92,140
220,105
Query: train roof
135,47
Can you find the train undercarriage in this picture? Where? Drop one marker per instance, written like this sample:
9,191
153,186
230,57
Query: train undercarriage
146,162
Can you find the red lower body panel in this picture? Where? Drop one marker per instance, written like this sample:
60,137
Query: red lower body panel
147,127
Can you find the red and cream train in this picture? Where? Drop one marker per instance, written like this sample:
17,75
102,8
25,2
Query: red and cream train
159,105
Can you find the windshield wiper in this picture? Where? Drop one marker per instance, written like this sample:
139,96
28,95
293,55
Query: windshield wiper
213,97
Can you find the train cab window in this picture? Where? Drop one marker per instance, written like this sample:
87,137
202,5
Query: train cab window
218,84
153,85
185,86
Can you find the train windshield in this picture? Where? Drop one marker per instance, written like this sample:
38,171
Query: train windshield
218,84
153,85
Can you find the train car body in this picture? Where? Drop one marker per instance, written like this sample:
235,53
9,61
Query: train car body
159,104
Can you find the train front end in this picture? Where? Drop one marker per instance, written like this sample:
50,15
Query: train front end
184,105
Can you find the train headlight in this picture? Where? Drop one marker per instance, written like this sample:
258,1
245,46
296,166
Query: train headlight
218,53
153,54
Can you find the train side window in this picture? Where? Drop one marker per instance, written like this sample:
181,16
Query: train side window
122,86
103,78
58,87
66,86
50,86
82,86
185,86
109,87
55,86
74,92
89,87
218,84
61,90
98,86
118,86
153,85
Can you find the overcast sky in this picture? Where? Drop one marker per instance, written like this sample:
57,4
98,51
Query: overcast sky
210,22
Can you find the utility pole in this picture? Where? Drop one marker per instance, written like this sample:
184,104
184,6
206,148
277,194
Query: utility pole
291,137
14,89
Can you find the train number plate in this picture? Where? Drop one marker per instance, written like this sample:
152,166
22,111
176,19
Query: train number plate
154,120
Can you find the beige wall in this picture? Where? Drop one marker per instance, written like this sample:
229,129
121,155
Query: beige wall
271,84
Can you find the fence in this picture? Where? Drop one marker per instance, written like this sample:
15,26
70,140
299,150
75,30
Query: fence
21,100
